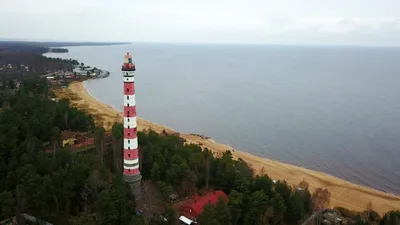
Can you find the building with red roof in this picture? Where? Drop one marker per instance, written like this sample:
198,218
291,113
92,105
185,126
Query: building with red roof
190,212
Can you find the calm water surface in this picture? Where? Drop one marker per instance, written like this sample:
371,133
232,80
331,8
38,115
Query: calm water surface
332,109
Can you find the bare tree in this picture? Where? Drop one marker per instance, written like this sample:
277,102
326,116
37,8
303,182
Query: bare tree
267,215
208,165
368,210
66,119
100,146
140,152
320,200
188,185
55,139
262,171
150,201
304,185
117,143
116,152
20,197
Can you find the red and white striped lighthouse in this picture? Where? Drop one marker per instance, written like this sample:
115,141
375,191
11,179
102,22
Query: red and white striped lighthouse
131,151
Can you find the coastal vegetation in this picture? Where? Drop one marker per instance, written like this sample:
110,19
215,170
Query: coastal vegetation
67,187
43,47
57,50
22,60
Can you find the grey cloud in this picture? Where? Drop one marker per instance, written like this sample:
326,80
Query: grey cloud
369,22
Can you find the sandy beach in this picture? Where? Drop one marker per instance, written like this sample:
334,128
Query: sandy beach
344,193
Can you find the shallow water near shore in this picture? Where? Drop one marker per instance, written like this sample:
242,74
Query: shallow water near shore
332,109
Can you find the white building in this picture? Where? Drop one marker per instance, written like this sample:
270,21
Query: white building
68,74
80,72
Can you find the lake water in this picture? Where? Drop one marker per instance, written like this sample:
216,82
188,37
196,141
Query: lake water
332,109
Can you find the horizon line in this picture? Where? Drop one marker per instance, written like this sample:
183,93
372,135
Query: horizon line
202,43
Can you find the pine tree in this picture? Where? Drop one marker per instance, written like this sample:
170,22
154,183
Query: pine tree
391,218
116,204
155,172
252,217
222,213
256,208
6,204
117,132
235,205
207,217
279,207
295,210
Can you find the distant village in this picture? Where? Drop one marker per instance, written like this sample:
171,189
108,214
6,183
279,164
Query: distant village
79,72
61,78
86,71
19,61
58,79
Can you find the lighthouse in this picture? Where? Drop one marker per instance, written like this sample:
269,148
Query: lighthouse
131,151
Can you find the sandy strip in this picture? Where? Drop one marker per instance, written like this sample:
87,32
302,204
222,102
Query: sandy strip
344,193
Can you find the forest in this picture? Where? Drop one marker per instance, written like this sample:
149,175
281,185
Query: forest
24,61
43,47
65,187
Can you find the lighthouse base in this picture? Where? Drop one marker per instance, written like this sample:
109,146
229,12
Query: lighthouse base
135,181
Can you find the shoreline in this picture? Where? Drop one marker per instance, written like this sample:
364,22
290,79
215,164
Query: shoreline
343,193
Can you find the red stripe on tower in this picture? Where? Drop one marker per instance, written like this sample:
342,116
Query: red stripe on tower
130,111
130,133
129,88
131,171
131,154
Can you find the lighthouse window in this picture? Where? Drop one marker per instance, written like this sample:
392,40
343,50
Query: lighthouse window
129,170
128,119
127,90
129,148
129,134
127,73
127,97
129,141
129,155
128,105
128,127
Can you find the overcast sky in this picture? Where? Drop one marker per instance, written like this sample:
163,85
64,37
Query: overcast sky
361,22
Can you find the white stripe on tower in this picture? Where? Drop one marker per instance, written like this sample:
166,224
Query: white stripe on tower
129,100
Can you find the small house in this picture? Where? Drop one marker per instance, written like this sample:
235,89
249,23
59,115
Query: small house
72,138
80,72
60,73
68,138
191,211
331,218
68,74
